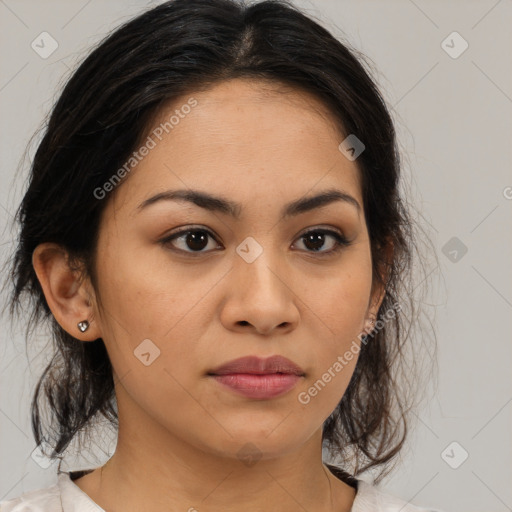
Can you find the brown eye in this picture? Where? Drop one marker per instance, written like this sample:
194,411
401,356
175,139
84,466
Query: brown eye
314,240
189,240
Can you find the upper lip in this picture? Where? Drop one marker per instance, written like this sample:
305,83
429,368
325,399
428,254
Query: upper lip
257,365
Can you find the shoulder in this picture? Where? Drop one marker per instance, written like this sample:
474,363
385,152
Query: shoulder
370,497
63,495
39,500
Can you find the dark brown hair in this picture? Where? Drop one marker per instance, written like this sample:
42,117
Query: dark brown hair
103,112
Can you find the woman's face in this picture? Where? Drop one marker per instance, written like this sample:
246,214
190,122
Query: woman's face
246,284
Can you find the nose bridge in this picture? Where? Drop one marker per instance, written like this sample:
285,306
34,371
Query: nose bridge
259,266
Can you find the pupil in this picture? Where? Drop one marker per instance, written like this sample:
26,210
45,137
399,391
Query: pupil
316,239
197,240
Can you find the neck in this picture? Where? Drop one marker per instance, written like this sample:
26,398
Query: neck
154,469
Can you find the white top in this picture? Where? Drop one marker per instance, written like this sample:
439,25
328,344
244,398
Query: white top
66,496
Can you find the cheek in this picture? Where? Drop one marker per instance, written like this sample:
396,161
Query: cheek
340,302
152,313
325,388
148,295
149,333
333,363
340,312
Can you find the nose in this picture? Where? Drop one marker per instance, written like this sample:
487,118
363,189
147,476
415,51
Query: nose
260,297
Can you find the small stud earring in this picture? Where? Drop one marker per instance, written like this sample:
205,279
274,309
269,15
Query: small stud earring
83,326
369,324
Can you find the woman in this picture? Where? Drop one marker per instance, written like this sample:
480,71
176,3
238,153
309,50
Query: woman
213,228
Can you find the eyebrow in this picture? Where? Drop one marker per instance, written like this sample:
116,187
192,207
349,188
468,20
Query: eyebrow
226,206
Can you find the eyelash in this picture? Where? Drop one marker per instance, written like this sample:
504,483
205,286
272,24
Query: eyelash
341,241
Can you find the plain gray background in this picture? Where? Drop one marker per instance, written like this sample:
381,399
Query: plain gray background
454,121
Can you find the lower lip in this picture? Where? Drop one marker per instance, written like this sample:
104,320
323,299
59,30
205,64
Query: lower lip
259,386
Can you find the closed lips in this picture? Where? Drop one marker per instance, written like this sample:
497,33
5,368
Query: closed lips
255,365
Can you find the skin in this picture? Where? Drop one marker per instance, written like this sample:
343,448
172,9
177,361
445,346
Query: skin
179,430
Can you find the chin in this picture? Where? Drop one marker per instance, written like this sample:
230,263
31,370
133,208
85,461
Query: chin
253,443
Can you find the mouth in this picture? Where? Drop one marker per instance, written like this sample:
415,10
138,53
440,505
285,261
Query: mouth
258,378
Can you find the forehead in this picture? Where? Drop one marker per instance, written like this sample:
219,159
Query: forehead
242,107
245,139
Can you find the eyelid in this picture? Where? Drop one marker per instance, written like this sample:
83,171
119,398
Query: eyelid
320,227
193,227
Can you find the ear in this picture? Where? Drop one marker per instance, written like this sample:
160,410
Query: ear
378,289
69,297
